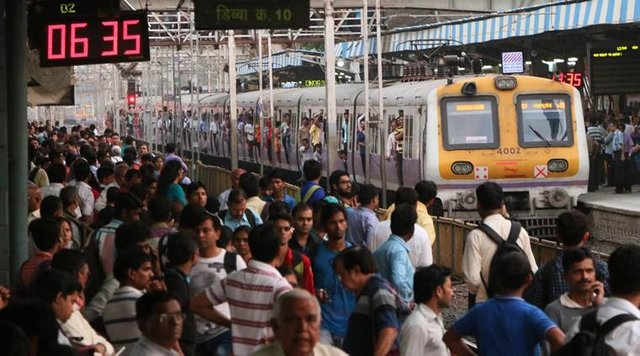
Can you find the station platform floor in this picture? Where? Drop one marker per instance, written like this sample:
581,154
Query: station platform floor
607,200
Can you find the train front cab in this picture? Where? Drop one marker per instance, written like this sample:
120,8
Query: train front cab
525,133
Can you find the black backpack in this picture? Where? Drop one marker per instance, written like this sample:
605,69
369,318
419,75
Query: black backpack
510,245
590,340
250,217
97,274
230,262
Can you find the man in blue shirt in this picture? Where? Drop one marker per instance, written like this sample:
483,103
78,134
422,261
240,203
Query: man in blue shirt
311,191
277,189
336,302
506,325
373,326
238,214
363,221
392,258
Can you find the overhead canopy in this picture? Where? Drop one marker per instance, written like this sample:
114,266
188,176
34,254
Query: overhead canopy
280,60
502,25
476,5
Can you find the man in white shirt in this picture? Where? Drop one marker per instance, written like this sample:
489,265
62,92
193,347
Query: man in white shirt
296,324
214,264
480,248
82,173
422,331
251,292
160,321
235,184
251,136
625,285
421,254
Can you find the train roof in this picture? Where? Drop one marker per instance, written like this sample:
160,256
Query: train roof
345,95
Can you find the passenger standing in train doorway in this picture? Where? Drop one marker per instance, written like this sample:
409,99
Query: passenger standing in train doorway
362,145
285,133
399,138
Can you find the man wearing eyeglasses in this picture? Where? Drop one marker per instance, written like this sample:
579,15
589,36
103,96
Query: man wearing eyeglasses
341,185
160,320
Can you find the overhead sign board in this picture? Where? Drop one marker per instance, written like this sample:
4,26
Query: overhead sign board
251,14
512,62
614,69
76,39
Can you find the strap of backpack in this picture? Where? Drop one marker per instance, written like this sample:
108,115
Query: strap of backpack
230,262
514,233
589,321
614,322
250,217
310,192
493,235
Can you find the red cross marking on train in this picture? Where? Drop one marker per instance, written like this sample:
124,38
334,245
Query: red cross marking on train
540,171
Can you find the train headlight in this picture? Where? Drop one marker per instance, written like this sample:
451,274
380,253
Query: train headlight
557,165
559,198
505,82
462,168
468,200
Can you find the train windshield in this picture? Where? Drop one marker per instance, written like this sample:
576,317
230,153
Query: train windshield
544,120
470,122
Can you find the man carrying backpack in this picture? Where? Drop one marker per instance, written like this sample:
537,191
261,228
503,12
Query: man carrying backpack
495,236
506,325
614,328
214,264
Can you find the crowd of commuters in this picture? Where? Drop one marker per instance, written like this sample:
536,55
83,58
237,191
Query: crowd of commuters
614,151
130,257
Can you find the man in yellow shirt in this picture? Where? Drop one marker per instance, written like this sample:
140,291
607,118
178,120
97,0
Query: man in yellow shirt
315,131
427,192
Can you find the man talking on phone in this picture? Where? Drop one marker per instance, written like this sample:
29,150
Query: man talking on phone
585,292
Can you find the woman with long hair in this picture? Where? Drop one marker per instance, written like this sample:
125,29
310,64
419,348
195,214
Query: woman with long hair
169,183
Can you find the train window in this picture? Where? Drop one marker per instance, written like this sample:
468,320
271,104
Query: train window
470,122
374,134
544,120
408,136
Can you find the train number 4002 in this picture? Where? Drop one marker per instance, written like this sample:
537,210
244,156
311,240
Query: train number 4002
508,151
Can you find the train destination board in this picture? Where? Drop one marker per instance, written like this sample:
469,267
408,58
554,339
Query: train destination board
251,14
75,39
615,69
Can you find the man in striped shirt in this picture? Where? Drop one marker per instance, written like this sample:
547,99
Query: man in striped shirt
251,293
133,270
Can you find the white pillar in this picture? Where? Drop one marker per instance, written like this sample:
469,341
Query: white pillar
260,101
232,100
271,114
381,119
365,58
330,89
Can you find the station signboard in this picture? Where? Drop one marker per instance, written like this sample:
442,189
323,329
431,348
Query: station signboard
512,62
251,14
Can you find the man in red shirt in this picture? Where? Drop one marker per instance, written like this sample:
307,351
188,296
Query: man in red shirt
45,233
290,258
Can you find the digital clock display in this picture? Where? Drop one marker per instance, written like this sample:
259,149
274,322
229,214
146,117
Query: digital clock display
92,39
571,78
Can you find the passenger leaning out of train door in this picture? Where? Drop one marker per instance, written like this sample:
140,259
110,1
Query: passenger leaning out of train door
399,142
480,247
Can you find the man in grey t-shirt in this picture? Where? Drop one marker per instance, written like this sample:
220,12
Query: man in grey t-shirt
585,292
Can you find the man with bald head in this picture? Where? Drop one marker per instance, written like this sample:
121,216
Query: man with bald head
296,324
235,184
